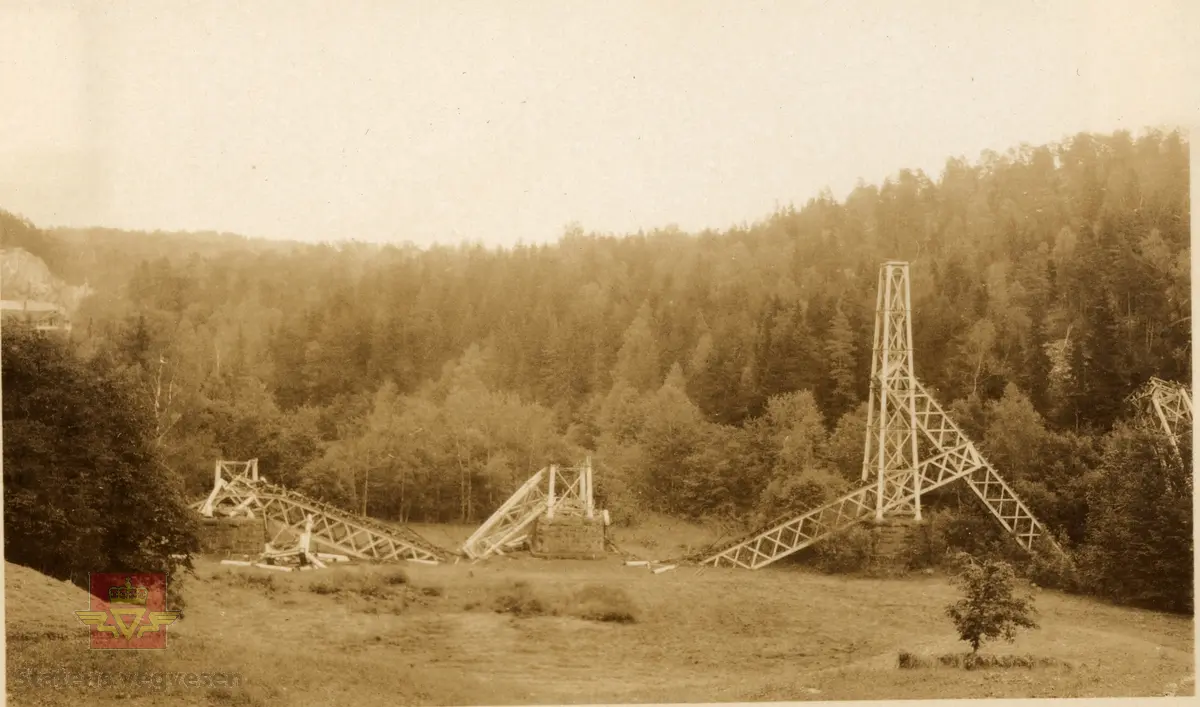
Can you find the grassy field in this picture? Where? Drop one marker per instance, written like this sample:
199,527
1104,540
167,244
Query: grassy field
523,630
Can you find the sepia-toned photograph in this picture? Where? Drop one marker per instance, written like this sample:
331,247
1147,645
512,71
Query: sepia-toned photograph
624,352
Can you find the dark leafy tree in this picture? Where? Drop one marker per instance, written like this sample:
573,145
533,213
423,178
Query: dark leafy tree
84,490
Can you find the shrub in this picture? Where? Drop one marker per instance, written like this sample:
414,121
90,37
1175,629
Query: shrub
324,587
852,550
976,661
600,603
927,545
1050,569
592,603
911,661
989,608
520,599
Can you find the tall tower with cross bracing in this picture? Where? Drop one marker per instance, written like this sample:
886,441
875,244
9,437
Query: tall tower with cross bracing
911,447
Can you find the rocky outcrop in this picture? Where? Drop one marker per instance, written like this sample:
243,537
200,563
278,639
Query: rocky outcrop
24,276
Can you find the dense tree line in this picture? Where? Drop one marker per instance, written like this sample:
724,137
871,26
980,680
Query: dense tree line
84,489
709,375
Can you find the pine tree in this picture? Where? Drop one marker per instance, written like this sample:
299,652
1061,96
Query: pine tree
840,354
637,361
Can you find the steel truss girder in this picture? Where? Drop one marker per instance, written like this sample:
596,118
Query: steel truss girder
565,492
900,411
345,532
514,515
957,458
1170,403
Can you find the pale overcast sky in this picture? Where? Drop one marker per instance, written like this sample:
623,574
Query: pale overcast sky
502,121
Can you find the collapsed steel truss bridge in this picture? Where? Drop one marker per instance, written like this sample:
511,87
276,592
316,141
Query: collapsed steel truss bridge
552,490
904,420
1168,403
239,491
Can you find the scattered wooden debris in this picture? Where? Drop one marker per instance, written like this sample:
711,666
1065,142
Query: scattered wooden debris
298,557
653,565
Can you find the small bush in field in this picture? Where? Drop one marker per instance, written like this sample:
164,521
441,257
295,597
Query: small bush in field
989,608
520,599
599,603
591,603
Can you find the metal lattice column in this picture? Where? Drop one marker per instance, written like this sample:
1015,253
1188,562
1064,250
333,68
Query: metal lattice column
1170,403
900,413
890,448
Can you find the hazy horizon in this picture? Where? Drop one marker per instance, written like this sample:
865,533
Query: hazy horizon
500,124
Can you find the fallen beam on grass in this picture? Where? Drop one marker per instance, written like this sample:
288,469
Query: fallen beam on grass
237,563
423,562
637,563
660,570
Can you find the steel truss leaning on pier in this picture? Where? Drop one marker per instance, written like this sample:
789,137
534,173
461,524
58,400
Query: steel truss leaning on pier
551,491
904,419
238,490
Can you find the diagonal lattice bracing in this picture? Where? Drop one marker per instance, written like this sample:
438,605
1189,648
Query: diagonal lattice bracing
785,538
512,517
238,490
960,459
957,458
902,419
1170,404
553,490
891,441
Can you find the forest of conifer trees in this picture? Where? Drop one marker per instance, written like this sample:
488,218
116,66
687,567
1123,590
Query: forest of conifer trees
714,375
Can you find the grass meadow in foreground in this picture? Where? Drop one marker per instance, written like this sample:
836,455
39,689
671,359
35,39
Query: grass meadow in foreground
522,630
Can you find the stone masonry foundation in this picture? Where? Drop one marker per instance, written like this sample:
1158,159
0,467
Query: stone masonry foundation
231,536
568,537
893,539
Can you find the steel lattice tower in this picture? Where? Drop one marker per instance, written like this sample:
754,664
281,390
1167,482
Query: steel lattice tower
890,448
903,419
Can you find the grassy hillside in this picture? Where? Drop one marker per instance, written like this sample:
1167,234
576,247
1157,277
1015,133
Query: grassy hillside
430,635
